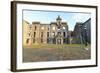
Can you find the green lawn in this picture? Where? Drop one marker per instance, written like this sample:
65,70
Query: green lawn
40,46
52,52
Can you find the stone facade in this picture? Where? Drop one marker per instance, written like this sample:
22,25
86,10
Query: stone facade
56,33
77,37
86,31
82,32
26,33
52,33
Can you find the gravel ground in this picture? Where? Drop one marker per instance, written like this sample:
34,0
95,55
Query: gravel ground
56,54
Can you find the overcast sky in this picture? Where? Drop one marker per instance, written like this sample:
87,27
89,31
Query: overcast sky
50,16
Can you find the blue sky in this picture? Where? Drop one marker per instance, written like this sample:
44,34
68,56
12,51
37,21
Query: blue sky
50,16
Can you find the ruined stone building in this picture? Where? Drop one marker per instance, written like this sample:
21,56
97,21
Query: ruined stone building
82,32
51,33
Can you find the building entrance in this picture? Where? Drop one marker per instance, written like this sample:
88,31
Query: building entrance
58,41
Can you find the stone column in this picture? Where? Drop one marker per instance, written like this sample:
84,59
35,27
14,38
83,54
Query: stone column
61,41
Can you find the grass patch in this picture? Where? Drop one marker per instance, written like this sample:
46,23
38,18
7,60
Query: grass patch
40,46
52,52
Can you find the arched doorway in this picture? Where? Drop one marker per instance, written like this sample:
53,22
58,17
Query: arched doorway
58,41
